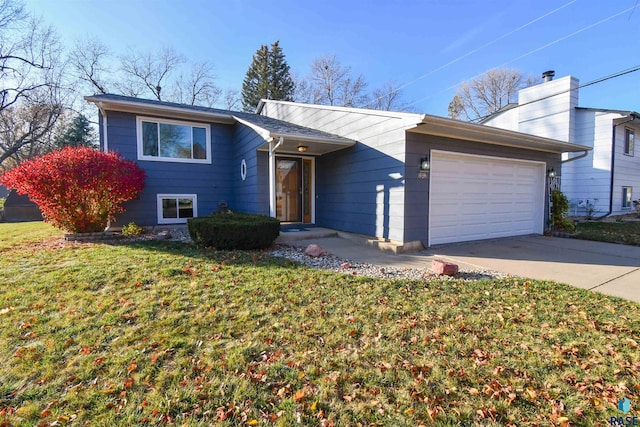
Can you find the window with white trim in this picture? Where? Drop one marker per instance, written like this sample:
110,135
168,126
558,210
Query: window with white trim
626,197
173,141
177,208
629,141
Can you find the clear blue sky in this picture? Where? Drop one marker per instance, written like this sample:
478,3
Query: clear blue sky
381,39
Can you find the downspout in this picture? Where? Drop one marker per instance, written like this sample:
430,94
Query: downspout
272,175
105,139
613,162
586,152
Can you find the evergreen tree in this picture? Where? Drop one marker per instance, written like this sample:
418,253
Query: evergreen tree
268,76
282,86
78,133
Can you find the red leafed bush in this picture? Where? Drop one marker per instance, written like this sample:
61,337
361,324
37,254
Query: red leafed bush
77,189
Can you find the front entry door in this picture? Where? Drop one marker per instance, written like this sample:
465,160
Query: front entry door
293,189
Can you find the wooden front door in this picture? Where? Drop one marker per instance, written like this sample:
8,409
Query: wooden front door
293,189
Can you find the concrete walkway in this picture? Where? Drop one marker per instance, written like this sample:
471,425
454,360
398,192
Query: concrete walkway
603,267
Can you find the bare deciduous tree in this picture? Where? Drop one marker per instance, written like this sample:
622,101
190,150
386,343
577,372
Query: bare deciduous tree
332,83
232,99
487,93
163,75
197,87
89,60
26,129
148,71
32,96
388,97
28,52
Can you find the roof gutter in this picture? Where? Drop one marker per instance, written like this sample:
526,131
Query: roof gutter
133,106
613,162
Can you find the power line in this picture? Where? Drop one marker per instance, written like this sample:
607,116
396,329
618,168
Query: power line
592,82
588,27
460,58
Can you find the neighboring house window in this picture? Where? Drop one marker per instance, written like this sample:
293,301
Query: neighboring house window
626,197
176,208
629,140
173,141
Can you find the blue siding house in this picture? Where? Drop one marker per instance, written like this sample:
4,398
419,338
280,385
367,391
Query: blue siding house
410,179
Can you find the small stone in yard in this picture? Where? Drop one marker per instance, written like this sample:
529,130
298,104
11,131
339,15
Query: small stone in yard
345,265
314,250
442,267
163,235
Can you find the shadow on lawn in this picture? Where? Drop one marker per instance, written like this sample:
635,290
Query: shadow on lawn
259,257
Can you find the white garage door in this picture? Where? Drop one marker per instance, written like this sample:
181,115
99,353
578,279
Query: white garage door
478,197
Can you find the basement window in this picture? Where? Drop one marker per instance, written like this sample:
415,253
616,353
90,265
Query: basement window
626,197
176,208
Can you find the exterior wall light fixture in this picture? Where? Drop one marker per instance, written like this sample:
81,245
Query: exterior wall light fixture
551,173
425,166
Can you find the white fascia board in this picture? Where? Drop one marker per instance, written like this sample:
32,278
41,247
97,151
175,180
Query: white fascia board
440,126
162,110
264,133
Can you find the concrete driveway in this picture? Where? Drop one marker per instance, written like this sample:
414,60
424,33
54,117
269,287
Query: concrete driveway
604,267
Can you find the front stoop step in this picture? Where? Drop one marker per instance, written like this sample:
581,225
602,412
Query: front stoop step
312,233
288,237
383,244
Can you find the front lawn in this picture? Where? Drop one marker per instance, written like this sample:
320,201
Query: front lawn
626,233
157,333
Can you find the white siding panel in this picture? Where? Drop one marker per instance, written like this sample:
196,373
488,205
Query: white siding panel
476,197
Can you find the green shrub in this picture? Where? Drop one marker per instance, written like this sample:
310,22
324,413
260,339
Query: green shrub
559,211
233,230
133,229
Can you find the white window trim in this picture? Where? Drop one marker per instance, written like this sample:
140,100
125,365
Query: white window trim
626,142
162,220
141,156
630,191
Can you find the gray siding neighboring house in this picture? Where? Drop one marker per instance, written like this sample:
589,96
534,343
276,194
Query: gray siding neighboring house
19,208
347,169
601,181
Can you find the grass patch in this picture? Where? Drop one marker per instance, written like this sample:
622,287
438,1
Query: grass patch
626,233
157,333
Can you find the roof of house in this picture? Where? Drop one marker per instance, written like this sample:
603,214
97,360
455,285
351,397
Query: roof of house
267,127
450,128
14,200
320,142
445,127
515,105
609,110
509,106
